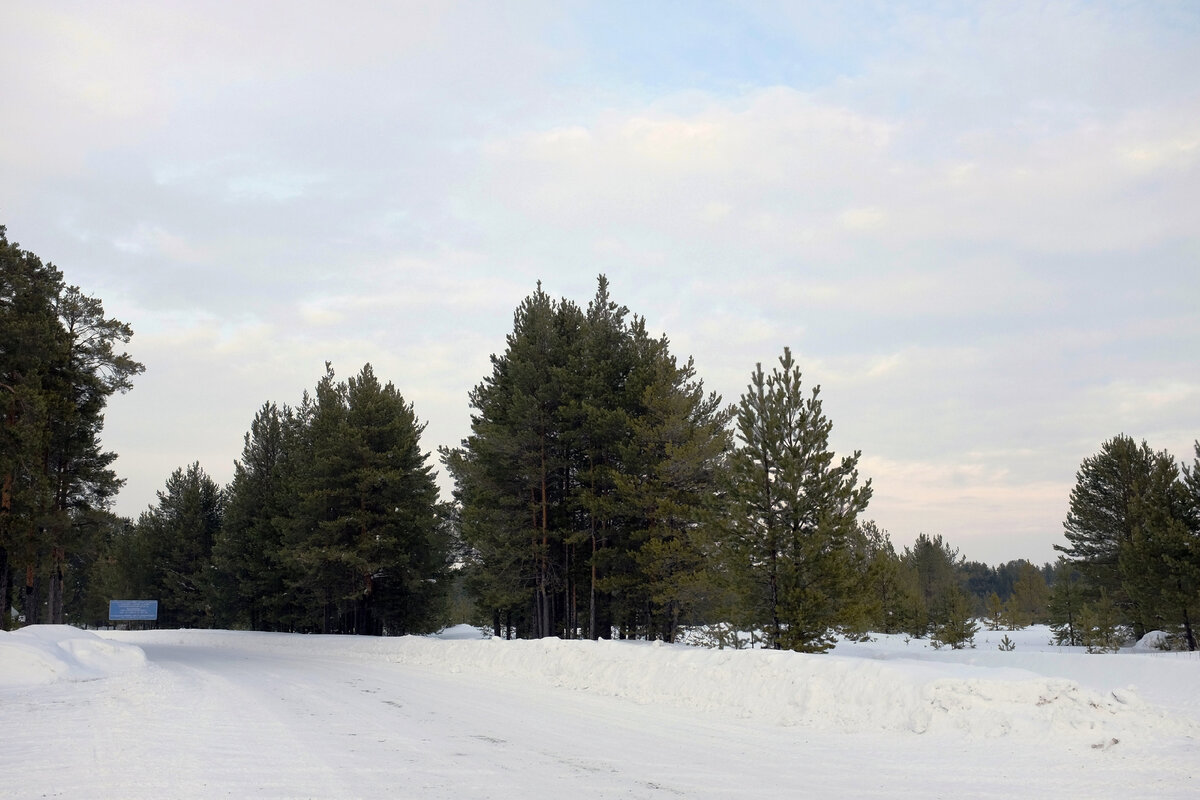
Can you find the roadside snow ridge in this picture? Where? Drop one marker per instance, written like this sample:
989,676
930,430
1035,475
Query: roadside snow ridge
829,692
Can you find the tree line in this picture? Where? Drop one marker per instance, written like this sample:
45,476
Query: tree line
331,524
601,492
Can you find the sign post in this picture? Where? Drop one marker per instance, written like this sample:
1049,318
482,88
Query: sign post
132,610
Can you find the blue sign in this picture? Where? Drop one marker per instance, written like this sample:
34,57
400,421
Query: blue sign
119,610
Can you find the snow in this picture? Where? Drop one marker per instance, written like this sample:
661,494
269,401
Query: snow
205,714
43,653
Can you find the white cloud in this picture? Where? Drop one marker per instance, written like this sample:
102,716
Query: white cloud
976,226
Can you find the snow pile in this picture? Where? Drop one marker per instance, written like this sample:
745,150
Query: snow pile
827,692
1153,642
874,690
42,654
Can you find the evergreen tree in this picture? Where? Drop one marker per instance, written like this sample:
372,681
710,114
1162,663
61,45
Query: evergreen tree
1066,604
981,580
1100,627
176,537
30,338
997,614
84,602
1129,535
1182,551
1160,565
892,601
601,387
511,475
86,373
795,512
678,449
122,569
935,563
1191,491
1030,597
949,607
248,553
577,487
372,551
58,367
1100,521
953,623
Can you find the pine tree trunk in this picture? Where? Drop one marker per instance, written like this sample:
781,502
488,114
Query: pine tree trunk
56,613
776,628
568,594
5,569
575,611
545,566
29,603
5,599
593,631
1188,632
54,596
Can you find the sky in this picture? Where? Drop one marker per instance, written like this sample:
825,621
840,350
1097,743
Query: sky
977,226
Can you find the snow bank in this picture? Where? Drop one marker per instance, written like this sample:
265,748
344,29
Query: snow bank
871,691
1152,642
42,654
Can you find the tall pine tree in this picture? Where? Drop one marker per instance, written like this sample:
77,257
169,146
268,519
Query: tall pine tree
176,536
1129,534
248,554
567,505
795,509
58,367
370,550
512,474
676,456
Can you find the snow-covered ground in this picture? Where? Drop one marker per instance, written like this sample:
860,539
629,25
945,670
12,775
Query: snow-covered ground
216,714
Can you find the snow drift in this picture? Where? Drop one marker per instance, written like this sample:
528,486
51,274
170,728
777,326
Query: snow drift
872,689
42,654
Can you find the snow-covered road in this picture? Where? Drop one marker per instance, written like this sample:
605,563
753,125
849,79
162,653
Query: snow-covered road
258,715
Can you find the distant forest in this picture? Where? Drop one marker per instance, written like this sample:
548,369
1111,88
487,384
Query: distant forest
601,493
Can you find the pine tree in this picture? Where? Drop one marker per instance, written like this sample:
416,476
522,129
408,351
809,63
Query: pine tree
1160,565
606,373
936,565
248,553
1031,596
176,537
997,614
58,367
891,601
1183,556
1191,491
795,511
1066,604
371,551
953,623
1100,627
122,569
512,474
672,465
1129,535
1099,521
576,489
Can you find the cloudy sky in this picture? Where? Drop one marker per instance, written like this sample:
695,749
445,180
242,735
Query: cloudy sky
977,226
